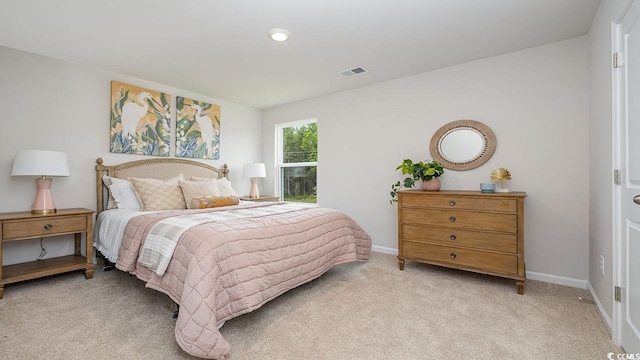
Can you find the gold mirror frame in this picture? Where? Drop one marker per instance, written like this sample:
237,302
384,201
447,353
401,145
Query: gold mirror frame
487,135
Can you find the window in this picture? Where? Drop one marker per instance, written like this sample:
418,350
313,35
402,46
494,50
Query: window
297,160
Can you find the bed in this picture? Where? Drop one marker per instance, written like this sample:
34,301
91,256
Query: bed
216,262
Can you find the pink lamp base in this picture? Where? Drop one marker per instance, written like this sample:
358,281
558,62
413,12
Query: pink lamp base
43,204
254,189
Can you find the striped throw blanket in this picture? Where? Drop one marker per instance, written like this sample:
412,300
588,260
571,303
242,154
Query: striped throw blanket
163,237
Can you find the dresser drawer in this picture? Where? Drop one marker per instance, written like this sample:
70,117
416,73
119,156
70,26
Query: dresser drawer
458,237
457,257
462,219
43,227
460,203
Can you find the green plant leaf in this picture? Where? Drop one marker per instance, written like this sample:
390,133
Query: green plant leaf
163,100
124,98
423,170
200,151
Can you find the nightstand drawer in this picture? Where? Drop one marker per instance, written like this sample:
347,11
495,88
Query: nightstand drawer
15,230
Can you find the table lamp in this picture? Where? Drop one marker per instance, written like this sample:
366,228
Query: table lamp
254,171
44,164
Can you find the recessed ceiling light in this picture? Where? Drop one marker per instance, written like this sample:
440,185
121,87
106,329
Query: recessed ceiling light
279,34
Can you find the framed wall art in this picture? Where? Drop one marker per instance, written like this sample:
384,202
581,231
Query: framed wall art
197,129
140,120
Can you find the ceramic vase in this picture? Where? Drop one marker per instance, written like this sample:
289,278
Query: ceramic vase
431,185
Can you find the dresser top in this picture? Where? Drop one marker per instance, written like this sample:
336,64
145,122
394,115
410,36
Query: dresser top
512,194
28,215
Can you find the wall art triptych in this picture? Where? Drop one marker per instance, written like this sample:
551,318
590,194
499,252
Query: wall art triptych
141,124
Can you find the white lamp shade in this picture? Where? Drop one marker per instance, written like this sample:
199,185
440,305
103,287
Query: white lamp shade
254,170
40,163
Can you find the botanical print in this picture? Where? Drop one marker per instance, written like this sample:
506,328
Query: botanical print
197,129
140,120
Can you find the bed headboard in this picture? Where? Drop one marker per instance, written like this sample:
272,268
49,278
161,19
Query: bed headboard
154,169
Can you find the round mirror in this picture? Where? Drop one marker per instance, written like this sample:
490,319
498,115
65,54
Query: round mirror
463,144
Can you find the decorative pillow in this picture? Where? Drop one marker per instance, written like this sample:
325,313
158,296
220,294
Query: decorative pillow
124,196
205,202
108,181
156,194
197,189
224,185
225,188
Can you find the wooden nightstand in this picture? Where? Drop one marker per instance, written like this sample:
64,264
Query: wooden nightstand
262,198
18,226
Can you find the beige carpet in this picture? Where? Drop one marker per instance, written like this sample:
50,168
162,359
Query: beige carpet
355,311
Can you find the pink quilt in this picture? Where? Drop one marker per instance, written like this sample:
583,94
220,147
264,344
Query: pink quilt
222,269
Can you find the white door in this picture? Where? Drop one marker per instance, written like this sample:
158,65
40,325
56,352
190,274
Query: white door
628,193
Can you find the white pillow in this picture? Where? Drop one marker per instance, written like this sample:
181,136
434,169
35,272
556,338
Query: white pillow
124,196
224,185
108,181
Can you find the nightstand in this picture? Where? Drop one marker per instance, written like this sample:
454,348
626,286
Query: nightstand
18,226
262,198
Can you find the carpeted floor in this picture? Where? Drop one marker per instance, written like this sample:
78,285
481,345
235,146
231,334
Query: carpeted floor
366,310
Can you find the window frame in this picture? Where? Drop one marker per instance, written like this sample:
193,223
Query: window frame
279,155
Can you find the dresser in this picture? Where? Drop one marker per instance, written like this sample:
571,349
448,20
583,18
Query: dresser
467,230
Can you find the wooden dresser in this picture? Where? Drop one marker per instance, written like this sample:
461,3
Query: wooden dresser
467,230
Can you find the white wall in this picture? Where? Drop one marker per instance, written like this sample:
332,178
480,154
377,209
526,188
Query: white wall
54,105
600,154
534,100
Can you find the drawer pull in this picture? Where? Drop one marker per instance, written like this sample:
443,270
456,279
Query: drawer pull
453,255
48,227
452,203
452,219
452,237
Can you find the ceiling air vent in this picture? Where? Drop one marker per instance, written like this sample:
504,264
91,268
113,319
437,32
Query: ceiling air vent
352,72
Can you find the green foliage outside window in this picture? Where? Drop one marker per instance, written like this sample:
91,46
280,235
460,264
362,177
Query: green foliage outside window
300,144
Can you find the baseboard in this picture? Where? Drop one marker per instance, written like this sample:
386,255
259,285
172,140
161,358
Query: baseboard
531,275
603,314
555,279
384,250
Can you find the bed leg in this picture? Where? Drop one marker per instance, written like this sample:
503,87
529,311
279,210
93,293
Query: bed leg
175,313
108,266
101,260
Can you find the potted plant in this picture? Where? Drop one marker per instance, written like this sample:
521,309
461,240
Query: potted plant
427,171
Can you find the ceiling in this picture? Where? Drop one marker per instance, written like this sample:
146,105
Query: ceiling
220,48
